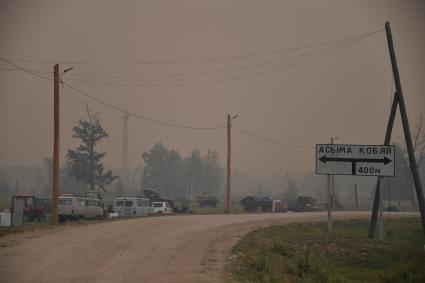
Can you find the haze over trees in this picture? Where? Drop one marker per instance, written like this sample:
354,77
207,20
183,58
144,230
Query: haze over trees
401,187
179,177
291,193
84,163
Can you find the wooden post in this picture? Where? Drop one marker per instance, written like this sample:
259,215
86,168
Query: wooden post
406,128
56,128
228,200
374,216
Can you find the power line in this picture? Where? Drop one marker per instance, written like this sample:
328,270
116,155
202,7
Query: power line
233,78
76,74
272,140
150,119
73,75
193,60
31,72
139,116
206,72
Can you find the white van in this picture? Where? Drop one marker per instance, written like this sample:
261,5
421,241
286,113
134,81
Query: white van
76,207
160,207
132,206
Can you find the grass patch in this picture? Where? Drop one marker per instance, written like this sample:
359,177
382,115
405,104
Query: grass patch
306,253
25,227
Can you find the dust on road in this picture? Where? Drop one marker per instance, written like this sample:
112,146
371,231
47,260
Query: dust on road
192,248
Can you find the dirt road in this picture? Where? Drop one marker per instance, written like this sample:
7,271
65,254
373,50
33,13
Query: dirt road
153,249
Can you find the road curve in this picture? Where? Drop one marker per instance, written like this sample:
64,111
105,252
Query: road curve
191,248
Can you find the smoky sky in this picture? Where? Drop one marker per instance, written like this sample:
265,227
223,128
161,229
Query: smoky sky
346,93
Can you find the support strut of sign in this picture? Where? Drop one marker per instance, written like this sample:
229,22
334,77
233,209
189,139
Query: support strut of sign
412,160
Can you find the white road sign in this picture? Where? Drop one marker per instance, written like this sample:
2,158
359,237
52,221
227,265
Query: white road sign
349,159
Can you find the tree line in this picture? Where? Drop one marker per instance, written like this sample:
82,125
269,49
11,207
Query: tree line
172,174
181,177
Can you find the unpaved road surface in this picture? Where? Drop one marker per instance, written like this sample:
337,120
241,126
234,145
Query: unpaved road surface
191,248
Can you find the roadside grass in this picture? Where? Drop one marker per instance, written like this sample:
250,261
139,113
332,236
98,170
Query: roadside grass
25,227
306,253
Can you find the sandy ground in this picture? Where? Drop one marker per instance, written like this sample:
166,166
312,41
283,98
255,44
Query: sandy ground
192,248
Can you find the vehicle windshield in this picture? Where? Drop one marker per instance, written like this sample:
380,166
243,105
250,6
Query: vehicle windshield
157,204
65,201
119,203
30,201
129,203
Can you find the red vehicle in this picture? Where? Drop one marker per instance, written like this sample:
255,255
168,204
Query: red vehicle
31,210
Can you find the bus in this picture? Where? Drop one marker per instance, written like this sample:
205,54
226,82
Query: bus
132,206
72,207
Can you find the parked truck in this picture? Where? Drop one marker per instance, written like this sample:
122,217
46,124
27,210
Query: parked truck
31,210
264,204
205,199
303,204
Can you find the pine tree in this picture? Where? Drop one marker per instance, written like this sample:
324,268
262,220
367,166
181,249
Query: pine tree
84,162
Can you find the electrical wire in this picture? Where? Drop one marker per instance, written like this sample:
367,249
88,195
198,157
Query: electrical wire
192,60
318,55
271,140
73,75
139,116
31,72
233,78
207,72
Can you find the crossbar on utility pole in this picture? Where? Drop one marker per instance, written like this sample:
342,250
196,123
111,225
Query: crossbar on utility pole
56,128
228,185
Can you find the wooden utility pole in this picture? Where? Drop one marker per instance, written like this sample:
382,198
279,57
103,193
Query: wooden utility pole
374,217
407,136
55,175
229,186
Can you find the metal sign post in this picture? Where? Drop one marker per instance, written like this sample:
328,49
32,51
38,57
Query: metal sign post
328,177
381,214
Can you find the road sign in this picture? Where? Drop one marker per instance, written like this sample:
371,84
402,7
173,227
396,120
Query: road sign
360,160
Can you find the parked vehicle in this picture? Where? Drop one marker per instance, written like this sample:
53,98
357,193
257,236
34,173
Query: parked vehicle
153,195
205,199
131,206
304,204
45,203
32,211
254,203
72,206
160,207
279,206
